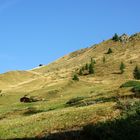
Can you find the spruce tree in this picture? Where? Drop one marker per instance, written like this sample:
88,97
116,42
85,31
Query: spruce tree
136,73
109,51
75,77
80,72
83,68
91,69
86,66
122,67
116,37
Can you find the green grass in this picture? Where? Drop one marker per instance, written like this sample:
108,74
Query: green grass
20,120
91,100
131,84
53,120
134,85
125,127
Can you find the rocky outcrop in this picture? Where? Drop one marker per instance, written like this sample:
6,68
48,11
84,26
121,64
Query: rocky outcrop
124,38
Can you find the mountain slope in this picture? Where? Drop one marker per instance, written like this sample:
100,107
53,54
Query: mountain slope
65,104
14,78
64,67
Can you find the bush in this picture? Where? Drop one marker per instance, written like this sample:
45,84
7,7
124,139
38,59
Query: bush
91,69
75,78
109,51
122,67
80,72
136,73
131,84
135,85
87,66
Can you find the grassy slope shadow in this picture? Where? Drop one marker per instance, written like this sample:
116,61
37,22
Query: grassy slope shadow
125,128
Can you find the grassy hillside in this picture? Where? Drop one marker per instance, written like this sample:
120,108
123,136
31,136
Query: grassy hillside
70,106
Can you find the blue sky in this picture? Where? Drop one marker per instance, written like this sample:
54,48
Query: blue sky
40,31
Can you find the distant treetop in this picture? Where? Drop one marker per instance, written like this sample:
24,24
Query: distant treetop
40,65
116,37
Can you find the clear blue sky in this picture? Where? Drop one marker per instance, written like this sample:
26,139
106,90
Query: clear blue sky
40,31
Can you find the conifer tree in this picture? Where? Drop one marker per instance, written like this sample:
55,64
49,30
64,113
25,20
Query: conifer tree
136,73
83,68
116,37
91,69
75,77
109,51
122,67
80,72
86,66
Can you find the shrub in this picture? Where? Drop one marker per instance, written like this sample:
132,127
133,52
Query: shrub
80,72
136,73
75,77
131,84
87,66
109,51
83,68
122,67
135,85
91,69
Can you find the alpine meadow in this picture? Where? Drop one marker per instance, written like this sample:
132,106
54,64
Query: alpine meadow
70,70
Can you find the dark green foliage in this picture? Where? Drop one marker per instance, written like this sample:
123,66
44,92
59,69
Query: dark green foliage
116,37
135,85
136,73
109,51
122,67
86,66
75,77
83,68
91,101
91,69
74,101
136,90
131,84
40,65
80,72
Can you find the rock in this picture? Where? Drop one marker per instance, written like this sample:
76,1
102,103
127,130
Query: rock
124,38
